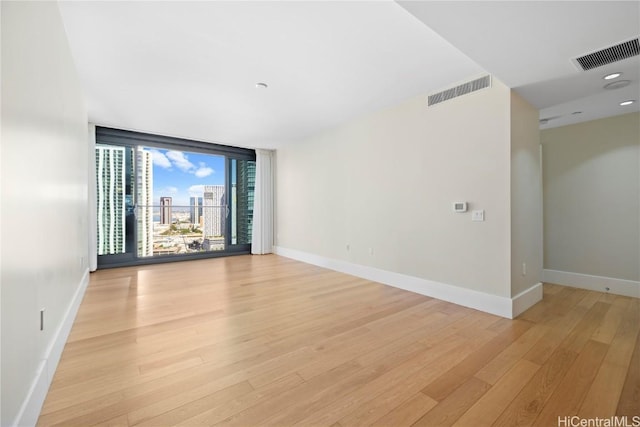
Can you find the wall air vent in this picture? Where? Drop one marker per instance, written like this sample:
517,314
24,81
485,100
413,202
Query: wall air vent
460,90
609,55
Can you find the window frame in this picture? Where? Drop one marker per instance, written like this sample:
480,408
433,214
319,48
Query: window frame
132,139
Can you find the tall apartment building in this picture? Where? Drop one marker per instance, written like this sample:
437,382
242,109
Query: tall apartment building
214,210
245,192
165,210
196,210
234,216
110,179
144,181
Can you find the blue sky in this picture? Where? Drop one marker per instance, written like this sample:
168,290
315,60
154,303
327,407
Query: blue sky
181,175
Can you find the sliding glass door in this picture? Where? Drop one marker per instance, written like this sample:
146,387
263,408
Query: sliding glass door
162,199
181,203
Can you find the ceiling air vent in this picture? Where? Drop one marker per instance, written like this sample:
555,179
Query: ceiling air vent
610,54
460,90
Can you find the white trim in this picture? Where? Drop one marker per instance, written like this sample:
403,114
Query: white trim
493,304
32,405
526,299
629,288
92,200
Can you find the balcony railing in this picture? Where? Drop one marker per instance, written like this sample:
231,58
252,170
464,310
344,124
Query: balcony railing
180,229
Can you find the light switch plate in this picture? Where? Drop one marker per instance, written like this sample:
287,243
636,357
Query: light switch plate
477,215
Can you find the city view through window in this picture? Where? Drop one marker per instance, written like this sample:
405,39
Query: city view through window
169,202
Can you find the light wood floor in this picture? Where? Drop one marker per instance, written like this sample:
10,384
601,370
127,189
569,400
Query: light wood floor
264,340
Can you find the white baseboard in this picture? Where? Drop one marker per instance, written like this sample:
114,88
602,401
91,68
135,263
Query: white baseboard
493,304
526,299
32,405
629,288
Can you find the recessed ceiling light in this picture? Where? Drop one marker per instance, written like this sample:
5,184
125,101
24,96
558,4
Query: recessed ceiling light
612,76
261,85
617,84
629,102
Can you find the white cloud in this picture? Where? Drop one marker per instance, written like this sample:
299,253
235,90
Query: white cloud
169,190
180,160
203,171
196,190
159,159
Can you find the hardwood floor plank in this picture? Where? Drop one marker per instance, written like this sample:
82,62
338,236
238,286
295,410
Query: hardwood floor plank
380,335
575,385
605,391
553,305
604,394
447,412
324,354
437,321
195,414
525,407
407,412
500,325
489,407
202,395
606,330
408,379
551,289
583,331
266,340
321,399
120,421
275,405
459,374
410,359
503,362
629,402
590,299
559,329
105,407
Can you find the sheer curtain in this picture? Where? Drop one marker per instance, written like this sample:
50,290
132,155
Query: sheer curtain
93,212
262,234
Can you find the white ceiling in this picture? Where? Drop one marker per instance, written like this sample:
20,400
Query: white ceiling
529,45
189,69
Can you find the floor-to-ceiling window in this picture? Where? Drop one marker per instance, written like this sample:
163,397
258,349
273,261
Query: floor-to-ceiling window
162,199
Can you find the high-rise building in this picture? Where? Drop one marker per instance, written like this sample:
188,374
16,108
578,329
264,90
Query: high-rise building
110,179
214,211
234,216
144,180
245,192
196,210
165,210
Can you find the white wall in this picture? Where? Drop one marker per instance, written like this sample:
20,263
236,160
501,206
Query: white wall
387,181
526,196
44,201
592,198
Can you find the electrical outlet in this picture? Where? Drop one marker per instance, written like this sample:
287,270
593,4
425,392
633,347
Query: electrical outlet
371,251
524,268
